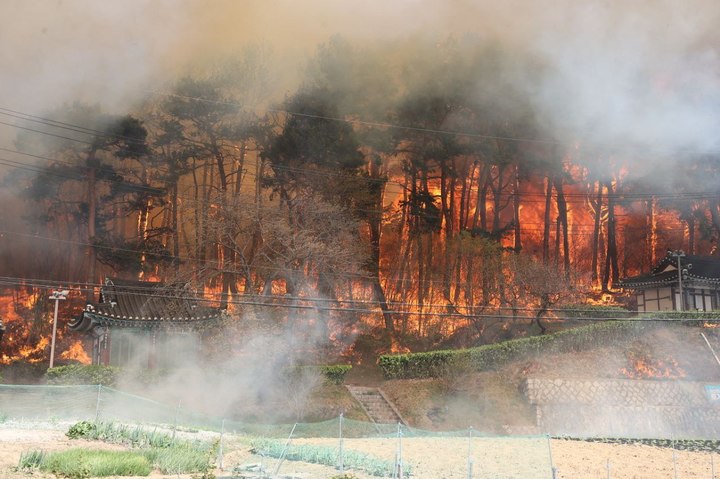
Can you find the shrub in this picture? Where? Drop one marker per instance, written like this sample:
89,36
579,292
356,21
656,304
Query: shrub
491,356
83,374
81,430
335,373
687,318
594,311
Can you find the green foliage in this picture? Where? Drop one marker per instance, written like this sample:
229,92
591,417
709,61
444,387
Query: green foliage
171,456
492,356
128,435
688,318
83,374
179,459
328,456
594,311
31,459
335,373
711,446
82,429
83,463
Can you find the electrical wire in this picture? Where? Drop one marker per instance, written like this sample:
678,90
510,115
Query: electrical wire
711,316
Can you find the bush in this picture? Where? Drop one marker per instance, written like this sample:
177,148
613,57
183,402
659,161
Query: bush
436,363
594,311
82,430
82,374
335,373
687,318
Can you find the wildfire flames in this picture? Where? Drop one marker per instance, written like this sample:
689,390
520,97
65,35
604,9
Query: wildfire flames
76,352
28,321
644,367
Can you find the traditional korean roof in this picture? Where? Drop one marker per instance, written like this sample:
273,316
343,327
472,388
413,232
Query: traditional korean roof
144,304
701,270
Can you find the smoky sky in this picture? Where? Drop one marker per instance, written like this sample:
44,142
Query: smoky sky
637,73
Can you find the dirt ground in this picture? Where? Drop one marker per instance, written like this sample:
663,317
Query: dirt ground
429,458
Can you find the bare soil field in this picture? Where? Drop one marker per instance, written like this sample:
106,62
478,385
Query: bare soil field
429,458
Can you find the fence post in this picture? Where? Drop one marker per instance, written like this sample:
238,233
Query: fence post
342,457
398,469
177,413
553,470
712,466
608,469
469,457
97,403
220,451
284,452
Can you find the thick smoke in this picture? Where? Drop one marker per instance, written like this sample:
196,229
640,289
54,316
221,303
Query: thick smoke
640,74
614,75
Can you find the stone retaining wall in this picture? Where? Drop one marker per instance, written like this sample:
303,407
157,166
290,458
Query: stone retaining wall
627,408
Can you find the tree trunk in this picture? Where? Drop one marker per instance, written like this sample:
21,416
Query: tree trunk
563,219
375,227
596,233
611,260
546,220
516,210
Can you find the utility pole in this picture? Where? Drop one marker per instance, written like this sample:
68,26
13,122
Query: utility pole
677,255
57,296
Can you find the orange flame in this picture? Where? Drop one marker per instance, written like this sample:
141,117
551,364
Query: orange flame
647,368
76,352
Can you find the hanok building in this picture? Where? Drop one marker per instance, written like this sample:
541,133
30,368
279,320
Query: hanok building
679,282
143,324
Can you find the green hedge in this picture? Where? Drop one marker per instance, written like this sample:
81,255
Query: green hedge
108,375
335,373
594,311
83,374
490,356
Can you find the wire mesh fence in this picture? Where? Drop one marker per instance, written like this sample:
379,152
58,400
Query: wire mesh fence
390,450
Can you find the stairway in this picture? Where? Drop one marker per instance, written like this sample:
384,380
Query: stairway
376,405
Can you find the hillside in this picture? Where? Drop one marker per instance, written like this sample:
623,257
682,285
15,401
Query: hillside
492,401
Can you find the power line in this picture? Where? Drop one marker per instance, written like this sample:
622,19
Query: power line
617,195
64,125
707,316
216,296
46,133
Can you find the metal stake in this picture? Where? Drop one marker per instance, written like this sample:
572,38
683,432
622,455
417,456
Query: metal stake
177,413
469,458
342,457
220,449
712,466
284,452
97,404
711,348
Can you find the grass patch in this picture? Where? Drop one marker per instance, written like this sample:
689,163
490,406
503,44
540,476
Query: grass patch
328,456
168,455
83,463
179,459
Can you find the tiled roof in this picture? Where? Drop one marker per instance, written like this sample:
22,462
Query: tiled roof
700,270
143,304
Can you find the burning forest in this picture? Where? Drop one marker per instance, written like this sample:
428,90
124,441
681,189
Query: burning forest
435,187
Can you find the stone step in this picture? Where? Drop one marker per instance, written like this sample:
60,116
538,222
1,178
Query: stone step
374,404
